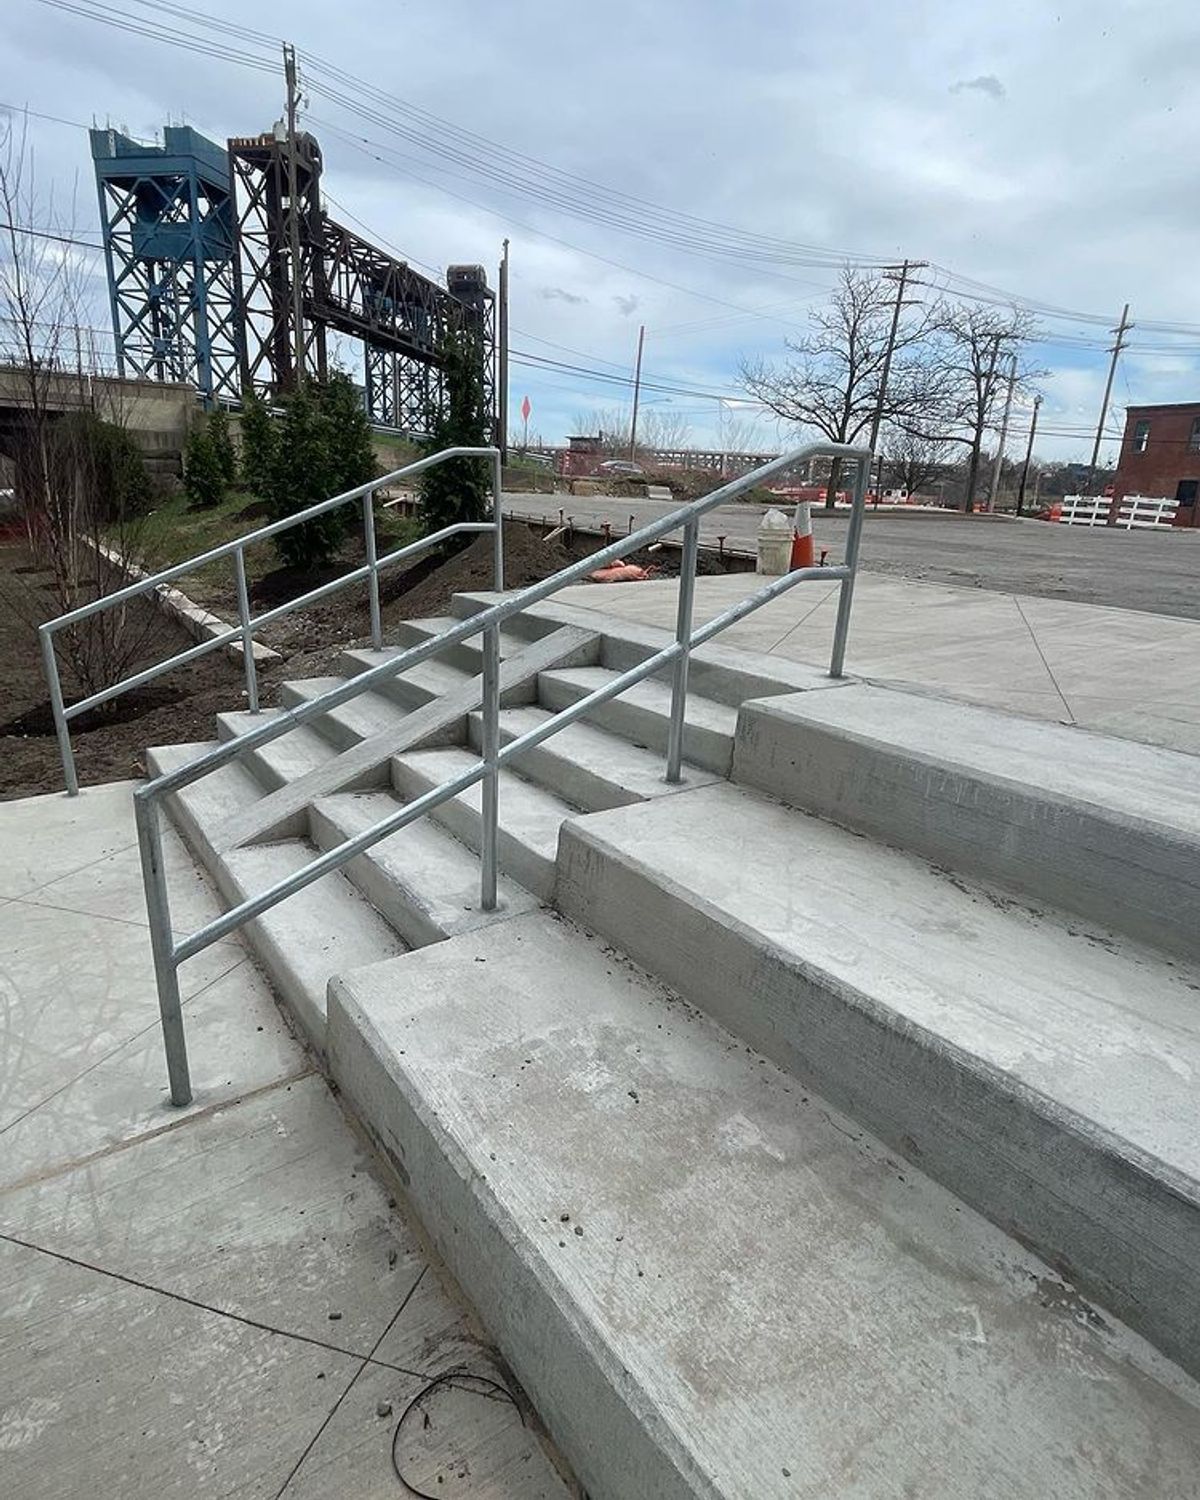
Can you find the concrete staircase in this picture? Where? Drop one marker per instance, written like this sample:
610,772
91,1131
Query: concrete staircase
830,1131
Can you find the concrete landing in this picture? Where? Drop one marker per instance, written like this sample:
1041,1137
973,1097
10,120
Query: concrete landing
210,1301
712,1283
1119,671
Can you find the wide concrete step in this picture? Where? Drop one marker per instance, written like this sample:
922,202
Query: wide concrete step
422,879
642,714
467,656
1103,827
319,931
709,1281
1043,1068
584,765
349,723
292,755
529,816
202,808
416,685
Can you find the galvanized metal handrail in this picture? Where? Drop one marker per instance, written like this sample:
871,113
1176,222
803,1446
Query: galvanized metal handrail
168,954
249,625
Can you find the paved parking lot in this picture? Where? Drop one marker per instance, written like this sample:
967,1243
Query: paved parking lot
1158,572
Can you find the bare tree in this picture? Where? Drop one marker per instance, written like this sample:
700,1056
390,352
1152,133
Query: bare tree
833,380
979,348
80,481
914,458
663,430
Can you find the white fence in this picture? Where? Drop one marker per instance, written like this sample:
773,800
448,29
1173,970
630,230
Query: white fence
1134,513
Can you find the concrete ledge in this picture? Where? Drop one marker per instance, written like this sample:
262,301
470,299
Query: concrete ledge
1102,827
838,961
709,1282
200,624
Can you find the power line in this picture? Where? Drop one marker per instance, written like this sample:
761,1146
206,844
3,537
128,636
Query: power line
46,234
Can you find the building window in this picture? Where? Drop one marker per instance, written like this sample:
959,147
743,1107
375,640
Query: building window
1194,440
1141,436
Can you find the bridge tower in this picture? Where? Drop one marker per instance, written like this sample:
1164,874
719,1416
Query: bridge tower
168,221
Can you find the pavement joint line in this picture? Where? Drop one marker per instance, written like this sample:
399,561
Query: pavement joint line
117,1147
78,870
369,1359
30,899
791,630
120,1047
1037,646
233,1317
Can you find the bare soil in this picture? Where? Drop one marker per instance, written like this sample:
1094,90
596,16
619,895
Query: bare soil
110,741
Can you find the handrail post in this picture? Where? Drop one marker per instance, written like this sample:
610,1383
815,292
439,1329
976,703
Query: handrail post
498,518
846,597
162,941
683,638
61,728
490,752
243,597
373,564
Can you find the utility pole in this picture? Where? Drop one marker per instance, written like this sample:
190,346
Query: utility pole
1037,401
877,420
502,351
998,465
1120,330
637,390
293,175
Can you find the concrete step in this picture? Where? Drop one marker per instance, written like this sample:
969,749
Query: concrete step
300,943
1098,826
583,764
642,714
467,656
1042,1068
416,685
283,760
198,810
709,1282
326,929
529,815
348,724
421,879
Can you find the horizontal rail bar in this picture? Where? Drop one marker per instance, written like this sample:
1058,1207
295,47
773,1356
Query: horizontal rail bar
333,859
495,614
201,648
350,848
236,633
214,554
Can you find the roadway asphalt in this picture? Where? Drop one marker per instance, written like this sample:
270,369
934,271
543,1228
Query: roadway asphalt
1158,572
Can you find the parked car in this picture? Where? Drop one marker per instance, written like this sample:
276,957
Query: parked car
621,466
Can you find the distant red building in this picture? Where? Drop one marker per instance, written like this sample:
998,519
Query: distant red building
1160,455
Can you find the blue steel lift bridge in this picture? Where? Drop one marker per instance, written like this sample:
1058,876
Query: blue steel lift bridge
199,252
168,219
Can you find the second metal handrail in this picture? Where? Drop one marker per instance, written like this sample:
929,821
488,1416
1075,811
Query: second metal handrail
248,626
168,954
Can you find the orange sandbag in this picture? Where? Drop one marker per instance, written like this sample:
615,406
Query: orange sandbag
619,573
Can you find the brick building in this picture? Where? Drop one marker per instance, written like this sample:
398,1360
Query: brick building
1160,455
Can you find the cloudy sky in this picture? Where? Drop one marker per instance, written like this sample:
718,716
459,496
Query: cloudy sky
1045,151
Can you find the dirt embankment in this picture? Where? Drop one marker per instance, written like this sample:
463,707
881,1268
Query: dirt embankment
110,742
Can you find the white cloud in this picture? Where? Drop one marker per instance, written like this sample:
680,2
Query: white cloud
1046,150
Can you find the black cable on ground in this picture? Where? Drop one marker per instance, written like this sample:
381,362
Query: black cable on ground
458,1378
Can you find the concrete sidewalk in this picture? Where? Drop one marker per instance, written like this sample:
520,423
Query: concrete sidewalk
223,1300
1119,671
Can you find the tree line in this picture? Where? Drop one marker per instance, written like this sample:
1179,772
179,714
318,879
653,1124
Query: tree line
951,366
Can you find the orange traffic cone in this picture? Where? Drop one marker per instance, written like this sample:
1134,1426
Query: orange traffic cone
803,555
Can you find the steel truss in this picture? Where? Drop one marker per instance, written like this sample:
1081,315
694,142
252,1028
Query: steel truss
168,225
